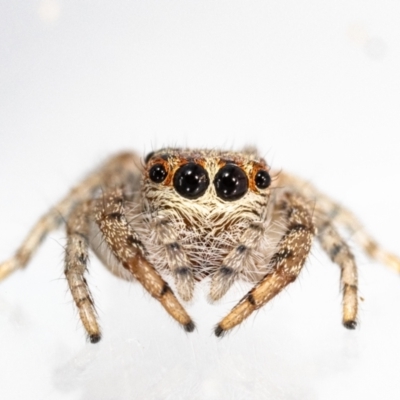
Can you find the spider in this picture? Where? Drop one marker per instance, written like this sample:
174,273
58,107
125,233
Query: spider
191,214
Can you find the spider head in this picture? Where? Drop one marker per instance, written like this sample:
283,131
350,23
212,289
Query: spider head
202,199
206,176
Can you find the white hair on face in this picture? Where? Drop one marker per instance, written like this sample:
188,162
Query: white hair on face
207,228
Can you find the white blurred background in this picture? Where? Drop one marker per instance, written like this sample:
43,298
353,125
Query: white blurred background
315,85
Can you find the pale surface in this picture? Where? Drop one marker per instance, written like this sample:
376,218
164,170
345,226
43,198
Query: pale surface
315,85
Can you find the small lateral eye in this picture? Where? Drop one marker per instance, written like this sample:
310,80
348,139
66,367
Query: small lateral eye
147,158
262,179
191,180
231,182
157,173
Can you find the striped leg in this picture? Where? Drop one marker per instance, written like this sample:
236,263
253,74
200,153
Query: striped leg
341,216
239,258
119,169
76,257
109,214
177,258
339,252
286,263
46,224
345,218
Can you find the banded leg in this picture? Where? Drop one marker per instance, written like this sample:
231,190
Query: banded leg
339,252
340,215
363,238
121,169
76,257
286,263
46,224
128,249
240,258
177,259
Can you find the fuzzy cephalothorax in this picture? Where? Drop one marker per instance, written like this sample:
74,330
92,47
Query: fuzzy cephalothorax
204,213
192,214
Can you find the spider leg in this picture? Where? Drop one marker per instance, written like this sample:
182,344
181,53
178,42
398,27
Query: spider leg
123,167
339,252
239,258
286,263
177,259
344,217
51,220
231,267
76,258
245,255
109,214
340,215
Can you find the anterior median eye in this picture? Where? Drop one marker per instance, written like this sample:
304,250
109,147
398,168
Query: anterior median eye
191,181
157,173
231,182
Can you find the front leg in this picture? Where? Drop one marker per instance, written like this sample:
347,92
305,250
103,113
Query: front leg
109,214
286,263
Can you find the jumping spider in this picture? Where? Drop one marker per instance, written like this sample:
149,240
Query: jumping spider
193,214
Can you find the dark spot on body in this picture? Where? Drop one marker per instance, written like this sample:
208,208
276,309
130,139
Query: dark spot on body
350,324
134,241
189,327
350,287
118,200
288,253
335,250
95,338
241,249
256,213
183,271
115,215
166,289
81,235
283,254
42,237
82,258
256,226
219,331
297,227
250,299
78,302
226,271
174,246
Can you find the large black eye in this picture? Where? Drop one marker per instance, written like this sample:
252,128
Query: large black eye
262,179
191,181
231,182
157,173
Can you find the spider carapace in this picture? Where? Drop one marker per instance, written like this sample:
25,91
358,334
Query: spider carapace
192,214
